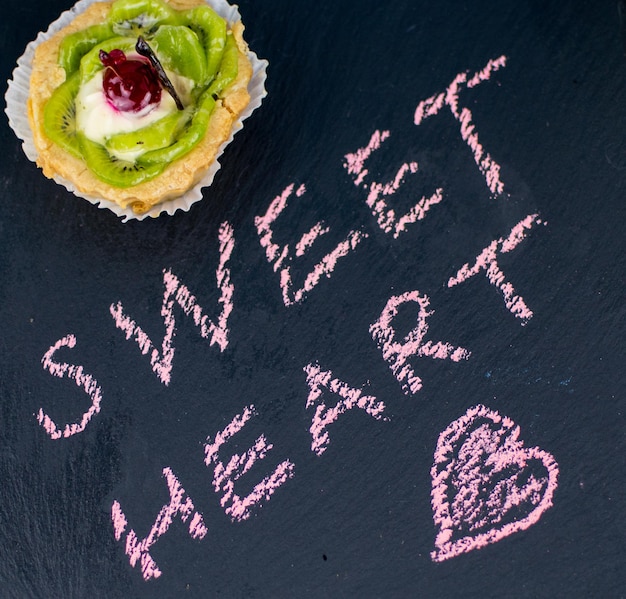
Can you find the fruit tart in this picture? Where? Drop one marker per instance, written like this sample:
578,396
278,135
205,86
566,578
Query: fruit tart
132,101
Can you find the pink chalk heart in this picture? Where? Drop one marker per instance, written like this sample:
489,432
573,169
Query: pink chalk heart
486,485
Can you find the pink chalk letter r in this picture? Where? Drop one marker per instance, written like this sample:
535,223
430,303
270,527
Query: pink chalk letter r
397,353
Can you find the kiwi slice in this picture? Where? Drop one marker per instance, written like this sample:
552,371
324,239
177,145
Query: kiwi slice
211,29
159,134
74,46
187,140
228,68
59,116
115,172
140,17
90,63
179,50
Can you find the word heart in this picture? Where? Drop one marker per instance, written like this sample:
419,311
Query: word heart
486,485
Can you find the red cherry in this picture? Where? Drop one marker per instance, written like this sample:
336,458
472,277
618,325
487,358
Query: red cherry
110,59
129,85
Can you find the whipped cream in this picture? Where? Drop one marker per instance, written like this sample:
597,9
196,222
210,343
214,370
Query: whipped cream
98,120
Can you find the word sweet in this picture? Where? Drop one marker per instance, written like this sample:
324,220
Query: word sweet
457,485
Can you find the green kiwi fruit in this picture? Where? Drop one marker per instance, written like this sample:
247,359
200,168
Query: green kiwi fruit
228,68
59,116
118,173
211,29
179,50
140,17
159,134
187,140
76,45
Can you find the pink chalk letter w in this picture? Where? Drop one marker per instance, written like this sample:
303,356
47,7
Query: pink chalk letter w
486,484
177,293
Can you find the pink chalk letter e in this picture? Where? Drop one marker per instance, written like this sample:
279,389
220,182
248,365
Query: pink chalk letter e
386,217
486,485
225,475
397,353
281,257
83,380
180,505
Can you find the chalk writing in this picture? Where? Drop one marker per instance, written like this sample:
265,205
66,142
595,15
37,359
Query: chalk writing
386,217
486,485
450,98
82,380
397,353
225,475
318,380
487,261
180,505
280,257
177,293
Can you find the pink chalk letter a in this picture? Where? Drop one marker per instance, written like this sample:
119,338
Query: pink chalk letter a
320,380
486,485
180,505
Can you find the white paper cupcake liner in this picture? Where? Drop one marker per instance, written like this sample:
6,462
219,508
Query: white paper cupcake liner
18,92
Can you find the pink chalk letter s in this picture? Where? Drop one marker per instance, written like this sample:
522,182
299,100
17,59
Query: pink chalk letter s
486,485
180,506
83,380
397,353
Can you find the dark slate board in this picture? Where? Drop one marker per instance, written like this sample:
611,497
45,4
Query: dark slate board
354,518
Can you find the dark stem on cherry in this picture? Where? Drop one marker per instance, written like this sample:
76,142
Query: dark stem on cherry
144,49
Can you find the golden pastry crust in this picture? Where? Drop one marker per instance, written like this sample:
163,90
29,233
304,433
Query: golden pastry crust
179,176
